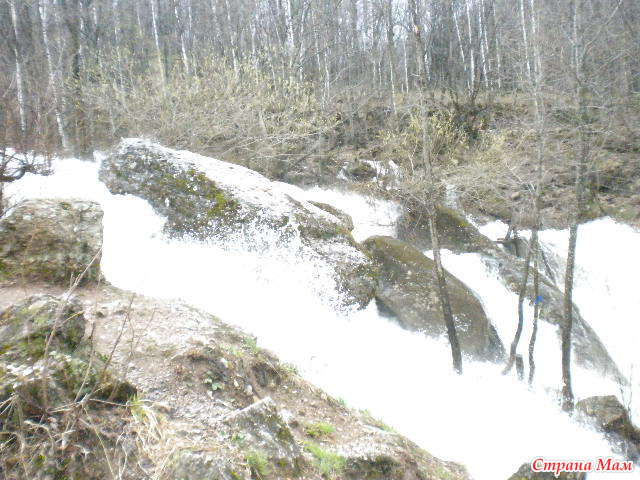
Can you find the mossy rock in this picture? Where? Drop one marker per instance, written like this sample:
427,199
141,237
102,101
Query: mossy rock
455,232
26,326
346,219
204,198
378,467
52,240
192,202
609,416
407,291
263,429
57,381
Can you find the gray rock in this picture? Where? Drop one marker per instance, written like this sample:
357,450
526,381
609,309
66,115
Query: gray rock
587,348
525,473
52,240
609,416
347,221
360,171
407,289
203,197
389,456
454,230
263,429
201,465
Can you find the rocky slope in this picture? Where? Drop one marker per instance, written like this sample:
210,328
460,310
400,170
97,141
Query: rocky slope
100,382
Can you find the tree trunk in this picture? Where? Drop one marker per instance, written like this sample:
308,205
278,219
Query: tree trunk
17,50
521,297
54,74
443,293
536,305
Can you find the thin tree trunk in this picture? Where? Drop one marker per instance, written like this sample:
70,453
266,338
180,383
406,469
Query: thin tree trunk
54,74
73,18
536,305
443,293
525,42
156,39
181,39
522,293
22,110
472,60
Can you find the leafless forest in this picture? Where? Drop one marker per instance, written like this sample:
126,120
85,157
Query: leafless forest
273,75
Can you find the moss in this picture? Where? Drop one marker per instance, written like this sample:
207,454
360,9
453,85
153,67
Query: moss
32,347
284,435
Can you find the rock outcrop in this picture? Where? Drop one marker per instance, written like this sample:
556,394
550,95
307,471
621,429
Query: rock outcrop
455,232
407,290
347,221
525,473
204,198
52,241
609,416
264,430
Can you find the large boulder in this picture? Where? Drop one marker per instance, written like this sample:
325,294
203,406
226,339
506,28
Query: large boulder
455,232
588,349
608,415
388,456
52,240
461,236
42,361
203,198
407,290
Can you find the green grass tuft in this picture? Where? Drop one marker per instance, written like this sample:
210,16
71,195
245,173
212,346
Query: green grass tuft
320,429
328,463
258,462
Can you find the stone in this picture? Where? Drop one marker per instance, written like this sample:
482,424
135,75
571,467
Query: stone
460,236
264,430
52,240
347,221
407,290
525,473
608,415
455,232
